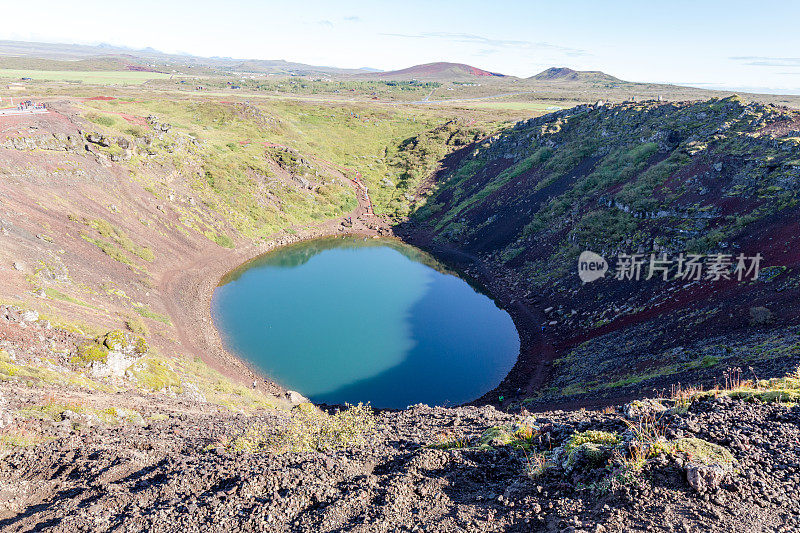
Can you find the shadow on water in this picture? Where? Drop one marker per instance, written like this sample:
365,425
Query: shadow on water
480,350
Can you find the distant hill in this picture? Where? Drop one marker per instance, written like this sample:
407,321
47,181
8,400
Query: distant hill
439,71
567,74
59,56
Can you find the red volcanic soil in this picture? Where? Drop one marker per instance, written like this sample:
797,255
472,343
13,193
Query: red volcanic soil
440,70
133,119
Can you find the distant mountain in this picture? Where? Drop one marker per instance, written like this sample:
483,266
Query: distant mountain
439,71
567,74
58,56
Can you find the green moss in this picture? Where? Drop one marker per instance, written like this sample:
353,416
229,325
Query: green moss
145,311
594,446
52,410
119,238
512,434
19,438
115,340
103,120
593,436
140,346
155,375
703,451
7,368
34,375
220,390
223,240
136,326
58,295
90,353
706,362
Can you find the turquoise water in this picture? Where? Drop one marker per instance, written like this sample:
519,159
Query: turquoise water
347,321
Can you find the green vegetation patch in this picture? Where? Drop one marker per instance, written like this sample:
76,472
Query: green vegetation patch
699,450
593,446
310,429
120,238
145,311
89,353
155,375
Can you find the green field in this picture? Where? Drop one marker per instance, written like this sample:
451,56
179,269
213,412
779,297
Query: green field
99,77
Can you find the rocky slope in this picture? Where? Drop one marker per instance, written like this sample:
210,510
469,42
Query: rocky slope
712,464
638,180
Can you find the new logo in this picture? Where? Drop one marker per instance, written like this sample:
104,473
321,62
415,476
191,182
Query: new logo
591,266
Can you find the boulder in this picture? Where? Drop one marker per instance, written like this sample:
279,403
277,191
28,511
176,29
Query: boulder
6,418
29,316
295,398
639,408
115,365
705,478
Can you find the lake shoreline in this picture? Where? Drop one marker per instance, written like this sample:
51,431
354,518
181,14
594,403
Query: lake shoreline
188,293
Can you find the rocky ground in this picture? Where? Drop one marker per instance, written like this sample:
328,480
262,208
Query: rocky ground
723,464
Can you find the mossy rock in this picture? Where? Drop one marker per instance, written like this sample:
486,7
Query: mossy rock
90,353
115,340
701,451
140,346
590,447
774,395
592,436
590,453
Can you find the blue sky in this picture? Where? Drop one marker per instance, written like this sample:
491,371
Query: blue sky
735,44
